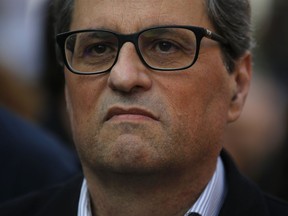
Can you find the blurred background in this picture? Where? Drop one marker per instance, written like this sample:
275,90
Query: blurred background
36,150
31,81
258,141
31,85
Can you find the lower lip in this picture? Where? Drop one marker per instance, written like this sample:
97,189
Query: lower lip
130,117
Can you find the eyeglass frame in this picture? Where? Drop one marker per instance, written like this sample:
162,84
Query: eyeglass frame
199,32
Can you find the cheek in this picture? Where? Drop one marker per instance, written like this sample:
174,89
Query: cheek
199,105
196,95
82,94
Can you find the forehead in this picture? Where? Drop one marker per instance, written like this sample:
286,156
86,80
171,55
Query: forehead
128,16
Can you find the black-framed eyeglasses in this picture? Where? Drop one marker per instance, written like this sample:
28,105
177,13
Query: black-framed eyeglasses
163,48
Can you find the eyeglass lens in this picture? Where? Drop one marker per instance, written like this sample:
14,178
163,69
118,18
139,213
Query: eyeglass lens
160,48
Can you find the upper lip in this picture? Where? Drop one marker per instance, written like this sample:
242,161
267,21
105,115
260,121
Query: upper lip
131,110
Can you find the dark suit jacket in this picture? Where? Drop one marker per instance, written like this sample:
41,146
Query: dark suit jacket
243,199
31,159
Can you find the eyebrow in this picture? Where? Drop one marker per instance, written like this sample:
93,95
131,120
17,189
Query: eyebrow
174,32
94,34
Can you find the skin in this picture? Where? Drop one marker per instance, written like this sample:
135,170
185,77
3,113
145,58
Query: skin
149,141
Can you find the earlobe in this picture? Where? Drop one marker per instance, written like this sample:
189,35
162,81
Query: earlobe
240,82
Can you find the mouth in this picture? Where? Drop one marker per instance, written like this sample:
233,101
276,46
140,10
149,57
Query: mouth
128,114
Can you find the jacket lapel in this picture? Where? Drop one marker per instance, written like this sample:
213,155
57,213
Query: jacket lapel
243,197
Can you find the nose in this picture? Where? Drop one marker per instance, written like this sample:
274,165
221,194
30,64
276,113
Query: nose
129,74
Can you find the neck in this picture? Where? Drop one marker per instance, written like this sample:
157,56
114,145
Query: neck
167,194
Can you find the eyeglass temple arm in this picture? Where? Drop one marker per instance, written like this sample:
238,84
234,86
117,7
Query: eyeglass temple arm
214,36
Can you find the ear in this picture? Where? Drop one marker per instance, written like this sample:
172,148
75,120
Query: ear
240,83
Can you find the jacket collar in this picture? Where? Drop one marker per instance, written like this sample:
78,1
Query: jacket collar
242,195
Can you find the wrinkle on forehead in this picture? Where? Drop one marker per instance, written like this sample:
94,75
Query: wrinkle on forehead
128,16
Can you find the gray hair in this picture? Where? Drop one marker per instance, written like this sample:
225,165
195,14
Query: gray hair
230,18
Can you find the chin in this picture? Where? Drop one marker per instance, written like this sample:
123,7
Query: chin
123,157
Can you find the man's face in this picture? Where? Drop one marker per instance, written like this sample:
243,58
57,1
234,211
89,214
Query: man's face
134,119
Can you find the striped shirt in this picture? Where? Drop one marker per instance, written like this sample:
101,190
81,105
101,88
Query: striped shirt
208,204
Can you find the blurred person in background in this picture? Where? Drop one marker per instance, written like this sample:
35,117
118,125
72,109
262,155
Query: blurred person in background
21,55
31,81
31,159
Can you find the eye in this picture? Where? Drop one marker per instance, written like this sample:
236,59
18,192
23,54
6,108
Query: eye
97,49
165,46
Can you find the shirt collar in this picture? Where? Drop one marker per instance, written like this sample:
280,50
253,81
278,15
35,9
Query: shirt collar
84,207
210,201
208,204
